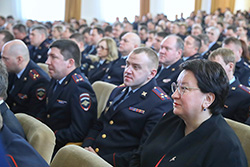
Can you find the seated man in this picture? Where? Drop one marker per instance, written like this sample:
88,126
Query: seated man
18,151
9,118
71,106
237,104
131,112
114,74
27,81
39,44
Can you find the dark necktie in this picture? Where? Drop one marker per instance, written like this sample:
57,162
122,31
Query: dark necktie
57,85
124,97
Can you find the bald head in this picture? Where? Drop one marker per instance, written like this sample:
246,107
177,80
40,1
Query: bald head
15,55
129,42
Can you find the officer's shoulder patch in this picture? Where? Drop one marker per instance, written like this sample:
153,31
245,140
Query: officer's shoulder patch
77,78
246,89
247,65
40,93
34,74
85,102
219,42
160,93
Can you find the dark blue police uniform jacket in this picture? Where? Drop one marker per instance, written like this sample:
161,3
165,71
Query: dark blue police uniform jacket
213,143
19,152
71,109
114,73
39,54
237,104
169,75
119,132
10,120
97,71
29,92
85,63
242,71
195,56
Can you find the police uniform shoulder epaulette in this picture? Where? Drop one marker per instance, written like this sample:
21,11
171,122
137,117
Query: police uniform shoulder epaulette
160,93
245,63
120,86
219,42
77,78
246,89
34,74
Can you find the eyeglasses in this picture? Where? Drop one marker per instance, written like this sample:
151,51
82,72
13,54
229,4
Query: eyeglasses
101,47
181,89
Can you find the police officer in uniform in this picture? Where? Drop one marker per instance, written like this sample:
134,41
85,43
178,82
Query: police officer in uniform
192,45
71,105
242,69
39,44
28,83
237,104
131,112
114,73
170,58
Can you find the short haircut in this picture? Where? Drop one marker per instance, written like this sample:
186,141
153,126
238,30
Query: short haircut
197,41
40,29
20,27
108,29
162,34
226,54
7,35
78,37
152,55
204,38
99,30
60,28
86,30
179,42
211,78
143,27
232,40
233,28
118,24
3,80
112,48
69,49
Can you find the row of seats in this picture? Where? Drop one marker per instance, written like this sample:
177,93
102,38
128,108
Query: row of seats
43,139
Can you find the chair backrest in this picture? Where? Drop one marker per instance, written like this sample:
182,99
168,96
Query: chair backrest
243,133
76,156
102,91
39,135
44,67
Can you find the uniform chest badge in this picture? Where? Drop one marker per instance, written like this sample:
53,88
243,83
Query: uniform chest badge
85,102
22,96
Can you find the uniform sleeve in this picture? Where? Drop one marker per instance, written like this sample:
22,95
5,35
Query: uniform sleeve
37,97
157,111
83,113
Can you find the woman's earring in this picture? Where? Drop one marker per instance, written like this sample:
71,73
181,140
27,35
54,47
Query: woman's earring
204,109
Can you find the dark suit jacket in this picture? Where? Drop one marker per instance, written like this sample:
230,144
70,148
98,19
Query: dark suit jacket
71,109
120,131
213,143
18,151
168,76
10,120
97,72
28,95
237,104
